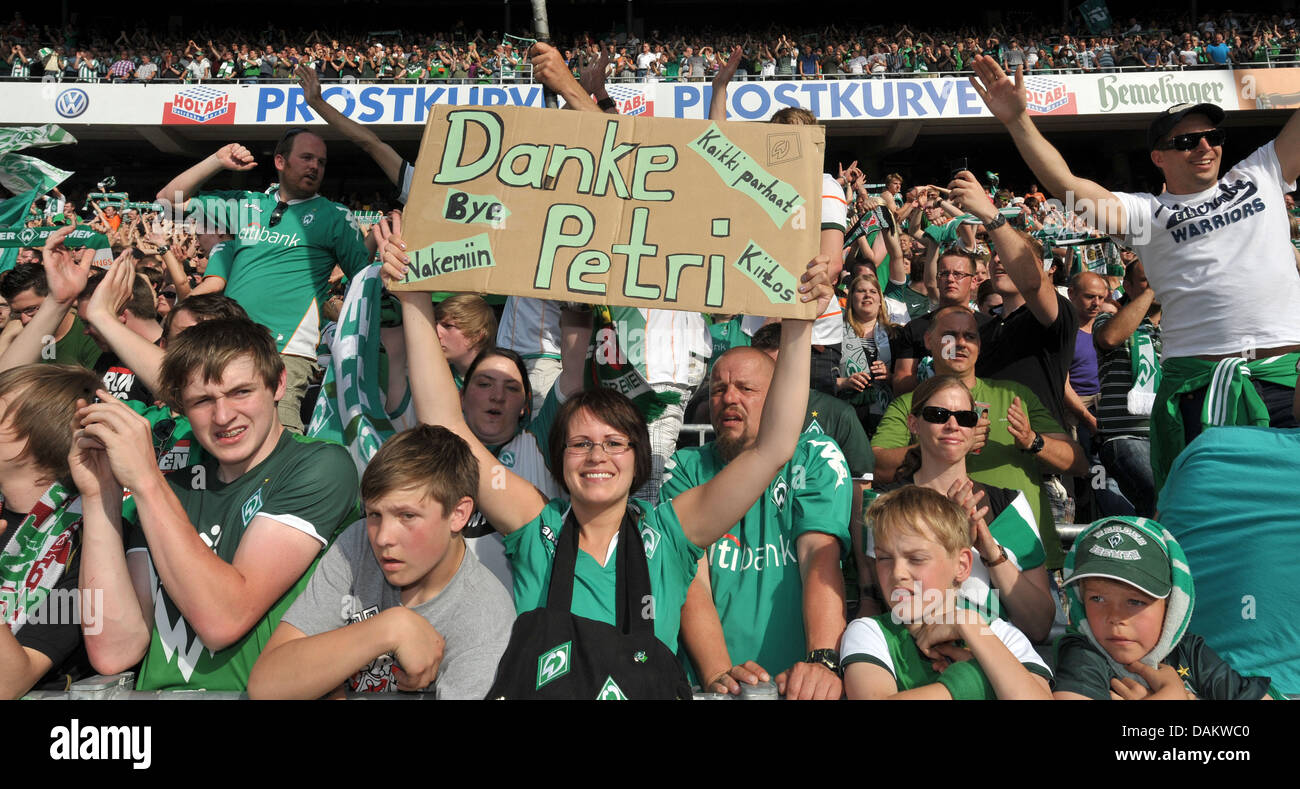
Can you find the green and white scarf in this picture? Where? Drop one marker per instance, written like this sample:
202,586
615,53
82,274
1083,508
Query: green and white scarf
36,555
1178,606
1146,373
350,409
610,366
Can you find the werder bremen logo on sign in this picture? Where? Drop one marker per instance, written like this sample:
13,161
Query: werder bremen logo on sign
553,664
610,691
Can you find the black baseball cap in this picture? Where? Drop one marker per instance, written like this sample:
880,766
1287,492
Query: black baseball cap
1167,120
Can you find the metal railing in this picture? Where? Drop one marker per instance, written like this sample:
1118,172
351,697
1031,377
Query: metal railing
523,75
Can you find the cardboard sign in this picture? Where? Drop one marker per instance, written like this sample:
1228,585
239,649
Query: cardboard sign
606,209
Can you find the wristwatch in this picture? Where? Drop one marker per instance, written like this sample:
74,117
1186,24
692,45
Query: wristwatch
1036,446
995,223
1002,557
163,249
825,657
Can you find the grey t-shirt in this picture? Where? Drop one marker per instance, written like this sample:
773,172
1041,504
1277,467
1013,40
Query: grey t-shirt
473,613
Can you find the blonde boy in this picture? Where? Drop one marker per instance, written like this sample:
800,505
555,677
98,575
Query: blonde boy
930,646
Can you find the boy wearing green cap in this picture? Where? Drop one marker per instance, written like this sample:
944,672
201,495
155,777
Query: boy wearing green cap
1131,598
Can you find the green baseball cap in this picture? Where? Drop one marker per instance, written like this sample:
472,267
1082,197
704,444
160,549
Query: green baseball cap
1118,550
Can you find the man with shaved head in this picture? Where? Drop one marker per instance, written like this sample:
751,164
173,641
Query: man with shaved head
768,601
1088,293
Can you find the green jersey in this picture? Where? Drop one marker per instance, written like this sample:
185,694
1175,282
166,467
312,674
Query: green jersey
754,568
671,557
918,304
306,485
282,276
1084,669
882,642
1000,462
76,347
21,67
727,336
226,70
829,415
88,70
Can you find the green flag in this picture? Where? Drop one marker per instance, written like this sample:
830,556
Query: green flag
15,210
19,173
1096,15
14,238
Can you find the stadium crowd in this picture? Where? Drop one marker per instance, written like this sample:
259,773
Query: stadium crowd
876,515
462,55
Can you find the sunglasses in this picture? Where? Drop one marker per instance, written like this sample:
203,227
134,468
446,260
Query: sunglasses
277,214
936,415
1189,142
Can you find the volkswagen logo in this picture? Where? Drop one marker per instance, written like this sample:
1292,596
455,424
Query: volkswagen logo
26,236
71,103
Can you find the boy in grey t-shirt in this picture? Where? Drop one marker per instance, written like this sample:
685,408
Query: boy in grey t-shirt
399,595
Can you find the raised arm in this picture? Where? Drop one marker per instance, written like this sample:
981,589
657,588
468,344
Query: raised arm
508,500
1287,147
1013,248
707,511
1006,100
1116,331
381,152
66,273
550,69
102,311
229,157
718,104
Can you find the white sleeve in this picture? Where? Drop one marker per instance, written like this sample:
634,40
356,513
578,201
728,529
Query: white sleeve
864,642
1019,646
1137,215
834,207
1264,161
405,176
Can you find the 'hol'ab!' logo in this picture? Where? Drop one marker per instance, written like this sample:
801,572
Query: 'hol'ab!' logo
553,664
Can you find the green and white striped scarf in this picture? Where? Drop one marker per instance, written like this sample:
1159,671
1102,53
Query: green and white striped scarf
609,365
350,409
37,554
1146,373
1178,606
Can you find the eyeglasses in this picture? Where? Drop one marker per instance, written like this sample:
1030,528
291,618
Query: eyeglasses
30,312
936,415
1192,141
277,214
957,275
613,446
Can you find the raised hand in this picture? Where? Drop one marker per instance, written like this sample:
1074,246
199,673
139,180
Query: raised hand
66,271
235,157
310,83
392,250
728,70
1018,425
1004,98
113,292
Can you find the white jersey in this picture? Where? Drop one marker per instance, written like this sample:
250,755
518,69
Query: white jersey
530,327
864,638
1221,261
829,327
678,344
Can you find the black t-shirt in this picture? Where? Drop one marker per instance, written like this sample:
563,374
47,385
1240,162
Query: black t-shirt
1082,669
1018,348
910,342
60,642
120,380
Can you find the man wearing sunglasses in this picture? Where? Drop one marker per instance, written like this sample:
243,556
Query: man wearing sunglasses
1210,246
287,244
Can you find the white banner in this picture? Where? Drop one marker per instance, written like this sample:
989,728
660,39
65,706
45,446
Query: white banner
220,104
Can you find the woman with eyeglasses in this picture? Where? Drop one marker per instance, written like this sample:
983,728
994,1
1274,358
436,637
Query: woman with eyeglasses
599,449
1010,576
